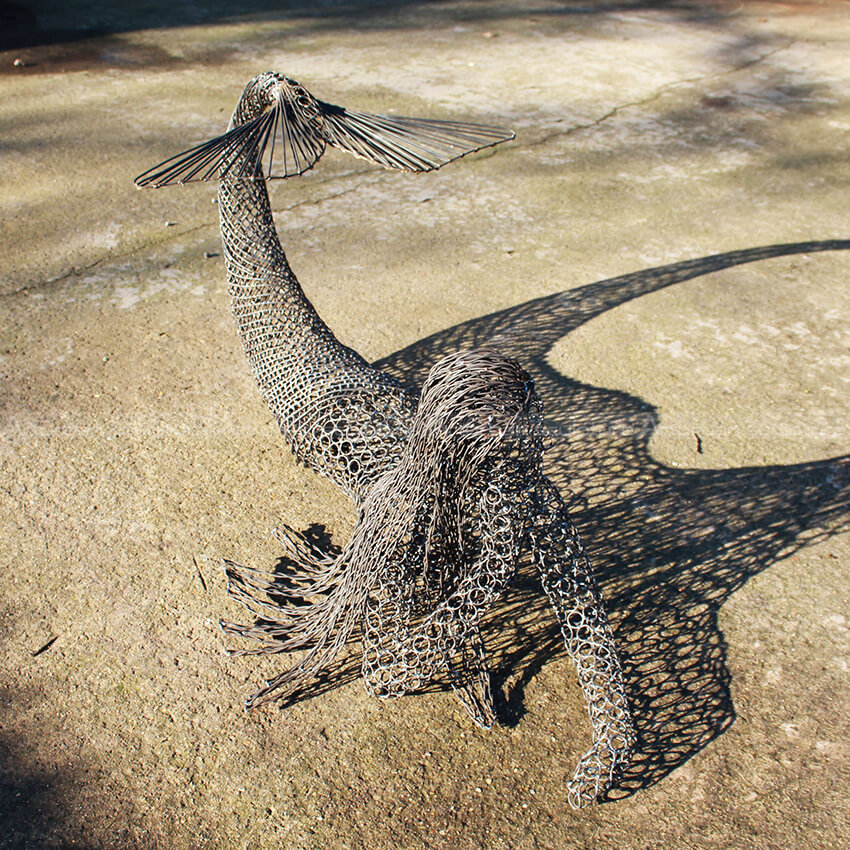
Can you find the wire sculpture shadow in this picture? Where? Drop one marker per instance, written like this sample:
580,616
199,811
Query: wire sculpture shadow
451,491
669,546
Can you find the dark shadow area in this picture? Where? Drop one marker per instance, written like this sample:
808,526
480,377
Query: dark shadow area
30,794
669,546
46,800
28,805
33,798
30,23
45,806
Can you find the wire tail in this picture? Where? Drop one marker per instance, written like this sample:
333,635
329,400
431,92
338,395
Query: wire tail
408,144
246,151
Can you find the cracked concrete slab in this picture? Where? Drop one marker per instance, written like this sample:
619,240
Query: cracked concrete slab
663,246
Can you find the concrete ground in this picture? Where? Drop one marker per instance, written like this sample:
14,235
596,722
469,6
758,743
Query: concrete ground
698,407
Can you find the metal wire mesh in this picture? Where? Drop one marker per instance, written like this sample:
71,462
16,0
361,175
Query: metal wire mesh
449,486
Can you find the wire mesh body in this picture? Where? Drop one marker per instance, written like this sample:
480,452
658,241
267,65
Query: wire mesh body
449,487
439,537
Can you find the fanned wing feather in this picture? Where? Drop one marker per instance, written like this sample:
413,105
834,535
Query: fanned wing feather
247,151
409,144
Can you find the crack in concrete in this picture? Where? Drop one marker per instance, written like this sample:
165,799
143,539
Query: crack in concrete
74,271
659,93
312,202
77,271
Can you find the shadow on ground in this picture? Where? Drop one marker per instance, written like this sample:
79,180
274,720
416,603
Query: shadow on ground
34,798
29,23
44,803
669,546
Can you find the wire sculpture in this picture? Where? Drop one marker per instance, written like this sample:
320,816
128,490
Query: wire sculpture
448,485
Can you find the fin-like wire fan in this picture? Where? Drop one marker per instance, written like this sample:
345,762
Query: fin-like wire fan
284,142
241,151
409,144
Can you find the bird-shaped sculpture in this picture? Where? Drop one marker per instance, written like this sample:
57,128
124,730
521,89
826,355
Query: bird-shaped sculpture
448,485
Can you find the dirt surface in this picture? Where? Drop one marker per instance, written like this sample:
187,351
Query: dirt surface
698,408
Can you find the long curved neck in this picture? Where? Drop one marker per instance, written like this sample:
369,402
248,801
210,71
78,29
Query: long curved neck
339,415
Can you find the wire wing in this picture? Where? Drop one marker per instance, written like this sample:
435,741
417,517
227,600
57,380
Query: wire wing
248,151
409,144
